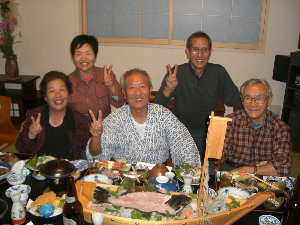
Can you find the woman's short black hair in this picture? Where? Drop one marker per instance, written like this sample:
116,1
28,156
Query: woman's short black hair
55,75
83,39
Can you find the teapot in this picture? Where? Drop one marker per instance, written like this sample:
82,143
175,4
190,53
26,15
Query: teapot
158,170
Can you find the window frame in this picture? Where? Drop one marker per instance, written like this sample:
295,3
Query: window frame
178,43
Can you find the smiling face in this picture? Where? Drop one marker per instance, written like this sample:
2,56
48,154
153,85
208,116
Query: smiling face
84,59
137,92
198,58
57,95
255,111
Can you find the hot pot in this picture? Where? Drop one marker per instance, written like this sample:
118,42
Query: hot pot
56,173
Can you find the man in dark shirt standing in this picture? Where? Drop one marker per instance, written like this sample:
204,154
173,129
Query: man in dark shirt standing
196,87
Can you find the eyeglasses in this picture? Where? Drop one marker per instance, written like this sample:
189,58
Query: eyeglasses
204,50
257,99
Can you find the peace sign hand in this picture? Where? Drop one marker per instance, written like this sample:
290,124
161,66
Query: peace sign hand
35,127
96,127
108,78
171,80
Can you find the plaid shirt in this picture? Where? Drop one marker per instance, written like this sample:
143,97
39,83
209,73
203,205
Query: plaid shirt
270,142
94,95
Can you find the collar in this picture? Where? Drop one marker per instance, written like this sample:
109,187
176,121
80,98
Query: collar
246,122
194,72
68,119
78,81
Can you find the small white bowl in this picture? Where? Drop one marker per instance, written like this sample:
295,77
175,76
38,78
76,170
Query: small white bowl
38,176
16,179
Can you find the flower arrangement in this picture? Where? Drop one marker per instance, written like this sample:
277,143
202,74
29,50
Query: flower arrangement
7,27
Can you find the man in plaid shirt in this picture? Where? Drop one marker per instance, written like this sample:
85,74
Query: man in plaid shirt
256,140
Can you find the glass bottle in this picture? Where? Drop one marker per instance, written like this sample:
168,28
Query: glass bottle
72,211
291,210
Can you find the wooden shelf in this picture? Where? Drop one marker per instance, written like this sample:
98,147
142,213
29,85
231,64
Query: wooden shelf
22,99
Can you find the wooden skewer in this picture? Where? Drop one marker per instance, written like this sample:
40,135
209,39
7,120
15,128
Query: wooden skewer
135,174
257,178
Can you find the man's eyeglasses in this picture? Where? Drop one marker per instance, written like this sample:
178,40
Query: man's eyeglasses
257,99
204,50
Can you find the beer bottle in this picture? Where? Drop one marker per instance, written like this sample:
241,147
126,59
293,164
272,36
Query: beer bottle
291,211
72,211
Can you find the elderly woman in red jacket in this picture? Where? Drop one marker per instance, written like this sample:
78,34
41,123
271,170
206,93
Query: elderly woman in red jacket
54,129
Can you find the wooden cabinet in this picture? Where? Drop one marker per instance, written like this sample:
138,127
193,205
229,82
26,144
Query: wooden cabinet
21,99
291,105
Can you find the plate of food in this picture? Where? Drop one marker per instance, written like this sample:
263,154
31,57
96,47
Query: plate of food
36,160
23,188
114,165
81,165
99,178
48,198
185,168
234,192
5,170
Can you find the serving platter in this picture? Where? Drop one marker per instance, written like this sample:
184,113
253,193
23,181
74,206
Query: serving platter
56,212
223,218
23,188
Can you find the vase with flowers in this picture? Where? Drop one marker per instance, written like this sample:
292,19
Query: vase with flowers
7,40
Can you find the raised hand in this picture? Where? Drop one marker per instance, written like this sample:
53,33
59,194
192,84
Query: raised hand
35,128
108,79
171,80
96,127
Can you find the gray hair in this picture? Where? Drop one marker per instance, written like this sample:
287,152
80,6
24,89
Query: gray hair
132,71
253,81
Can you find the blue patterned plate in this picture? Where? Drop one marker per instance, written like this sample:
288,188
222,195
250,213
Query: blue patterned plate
164,185
81,165
23,189
268,220
97,176
212,192
234,192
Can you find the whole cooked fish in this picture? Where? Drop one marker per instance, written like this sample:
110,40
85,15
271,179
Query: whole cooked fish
145,201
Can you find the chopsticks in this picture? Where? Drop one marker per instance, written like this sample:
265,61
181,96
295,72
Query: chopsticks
136,176
257,178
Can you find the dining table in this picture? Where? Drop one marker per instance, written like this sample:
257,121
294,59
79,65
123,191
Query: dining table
38,187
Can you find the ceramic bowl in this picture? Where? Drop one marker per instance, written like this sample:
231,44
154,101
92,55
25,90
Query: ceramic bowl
234,192
268,220
16,179
273,203
47,210
162,183
38,176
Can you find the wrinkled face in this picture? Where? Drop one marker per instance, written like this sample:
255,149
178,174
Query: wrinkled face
137,92
84,59
256,111
199,53
57,95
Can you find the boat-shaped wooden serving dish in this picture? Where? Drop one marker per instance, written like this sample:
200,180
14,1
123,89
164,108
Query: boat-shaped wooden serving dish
222,218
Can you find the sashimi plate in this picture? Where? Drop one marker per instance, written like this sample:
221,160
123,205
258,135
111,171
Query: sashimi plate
81,165
23,188
234,192
97,176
